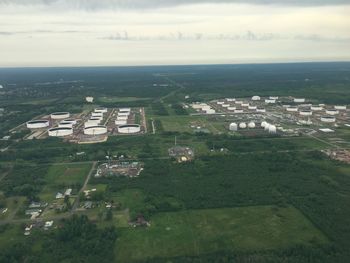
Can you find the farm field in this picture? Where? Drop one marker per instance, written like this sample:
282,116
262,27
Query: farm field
196,232
62,176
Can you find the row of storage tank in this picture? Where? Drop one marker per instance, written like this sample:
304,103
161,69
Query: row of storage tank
251,125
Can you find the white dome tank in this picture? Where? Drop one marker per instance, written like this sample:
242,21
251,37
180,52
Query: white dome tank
251,125
267,126
233,127
263,124
242,125
272,129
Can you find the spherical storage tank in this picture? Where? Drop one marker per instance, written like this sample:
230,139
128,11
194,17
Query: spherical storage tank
251,125
233,127
37,124
328,119
60,115
263,124
272,129
129,128
242,125
60,132
95,130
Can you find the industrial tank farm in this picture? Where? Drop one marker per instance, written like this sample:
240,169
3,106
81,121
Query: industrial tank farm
37,124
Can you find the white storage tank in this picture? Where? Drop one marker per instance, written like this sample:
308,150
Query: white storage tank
273,98
252,107
122,118
305,113
245,104
59,115
64,124
97,114
340,107
129,128
292,109
95,130
251,125
210,111
316,108
120,122
332,112
242,125
233,127
269,101
272,129
37,124
231,108
263,124
239,102
60,132
220,102
124,110
238,111
256,98
260,110
225,105
230,99
267,126
299,100
89,99
102,110
70,120
328,119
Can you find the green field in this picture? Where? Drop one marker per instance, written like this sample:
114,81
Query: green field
60,177
183,123
120,99
196,232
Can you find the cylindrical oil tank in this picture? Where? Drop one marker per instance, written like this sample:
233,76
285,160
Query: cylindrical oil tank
332,112
95,130
328,119
60,132
37,124
59,115
129,128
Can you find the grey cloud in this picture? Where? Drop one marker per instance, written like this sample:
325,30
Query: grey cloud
144,4
248,36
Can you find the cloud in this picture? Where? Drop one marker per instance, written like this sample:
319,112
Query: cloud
146,4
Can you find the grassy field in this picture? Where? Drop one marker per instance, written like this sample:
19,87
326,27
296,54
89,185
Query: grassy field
196,232
184,123
120,99
63,176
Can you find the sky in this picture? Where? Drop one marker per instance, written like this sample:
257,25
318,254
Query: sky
171,32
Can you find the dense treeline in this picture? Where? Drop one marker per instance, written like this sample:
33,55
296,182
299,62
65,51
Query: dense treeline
311,183
178,109
24,181
299,254
159,109
76,240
